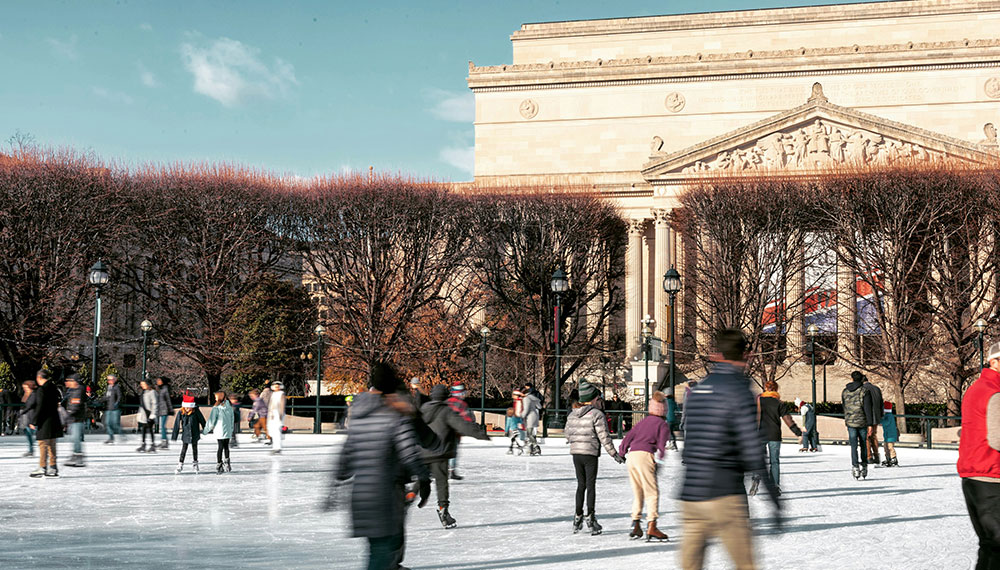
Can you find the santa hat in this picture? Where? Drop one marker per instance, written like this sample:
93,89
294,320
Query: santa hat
187,400
887,407
798,402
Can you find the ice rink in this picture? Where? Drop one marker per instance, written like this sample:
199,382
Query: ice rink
129,510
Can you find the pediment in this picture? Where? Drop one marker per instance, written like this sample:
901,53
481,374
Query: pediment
812,138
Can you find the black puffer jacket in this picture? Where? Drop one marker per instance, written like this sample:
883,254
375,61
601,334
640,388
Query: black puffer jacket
190,423
721,441
163,405
447,424
76,404
381,454
113,397
45,417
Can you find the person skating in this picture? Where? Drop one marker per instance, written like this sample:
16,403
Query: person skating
642,447
876,419
8,411
258,413
220,426
771,412
858,415
234,402
721,447
381,455
532,403
112,409
979,458
188,422
456,401
417,395
28,387
146,418
586,431
75,403
671,419
890,435
810,435
47,424
448,425
276,416
163,408
512,430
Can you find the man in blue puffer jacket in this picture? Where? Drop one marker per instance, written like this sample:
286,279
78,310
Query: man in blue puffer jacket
721,447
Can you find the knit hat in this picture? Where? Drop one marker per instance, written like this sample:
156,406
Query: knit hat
887,407
993,351
798,402
384,378
656,406
588,392
458,390
187,400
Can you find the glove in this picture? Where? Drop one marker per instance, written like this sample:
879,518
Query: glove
797,431
425,492
619,459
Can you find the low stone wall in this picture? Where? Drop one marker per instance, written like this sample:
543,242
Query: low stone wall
293,423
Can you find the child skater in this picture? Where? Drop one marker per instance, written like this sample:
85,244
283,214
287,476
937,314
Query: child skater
189,421
234,401
220,426
890,435
513,431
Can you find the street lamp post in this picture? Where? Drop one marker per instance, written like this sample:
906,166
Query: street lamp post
145,326
98,277
646,337
483,333
812,331
981,327
671,286
559,286
319,330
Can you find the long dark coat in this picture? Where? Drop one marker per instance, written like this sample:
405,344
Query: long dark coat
45,417
190,423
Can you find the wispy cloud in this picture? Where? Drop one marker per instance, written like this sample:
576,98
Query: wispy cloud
65,49
230,71
112,95
147,77
451,106
146,27
462,158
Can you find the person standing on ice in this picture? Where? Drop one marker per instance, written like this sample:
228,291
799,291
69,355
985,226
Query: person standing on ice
642,447
112,409
44,419
381,455
513,431
220,426
163,408
258,413
532,405
771,412
28,387
721,447
456,401
810,435
448,425
858,415
876,419
188,422
890,435
276,416
586,431
75,403
146,418
234,403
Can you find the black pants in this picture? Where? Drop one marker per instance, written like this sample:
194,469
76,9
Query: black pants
439,471
223,446
194,451
150,428
586,479
983,501
386,552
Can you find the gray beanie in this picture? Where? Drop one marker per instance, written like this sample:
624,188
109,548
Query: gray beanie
993,351
588,392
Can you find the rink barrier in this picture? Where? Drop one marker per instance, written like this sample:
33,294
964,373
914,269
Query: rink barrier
921,431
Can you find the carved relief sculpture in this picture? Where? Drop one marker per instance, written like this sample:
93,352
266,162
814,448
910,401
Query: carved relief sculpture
992,87
674,102
528,108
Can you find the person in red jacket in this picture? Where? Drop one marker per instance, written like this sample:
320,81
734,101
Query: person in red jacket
979,458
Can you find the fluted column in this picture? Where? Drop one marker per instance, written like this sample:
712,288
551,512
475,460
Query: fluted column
661,242
795,304
679,262
846,310
634,277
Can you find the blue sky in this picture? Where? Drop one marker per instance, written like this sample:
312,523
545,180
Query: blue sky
300,88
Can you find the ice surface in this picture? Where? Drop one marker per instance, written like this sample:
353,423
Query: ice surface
127,510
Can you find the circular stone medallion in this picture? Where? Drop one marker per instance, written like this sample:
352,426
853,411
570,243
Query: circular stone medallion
674,102
528,108
992,87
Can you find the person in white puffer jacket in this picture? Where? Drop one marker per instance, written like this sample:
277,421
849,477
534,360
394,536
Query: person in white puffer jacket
146,418
276,416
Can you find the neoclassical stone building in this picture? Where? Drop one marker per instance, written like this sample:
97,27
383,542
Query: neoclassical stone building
635,108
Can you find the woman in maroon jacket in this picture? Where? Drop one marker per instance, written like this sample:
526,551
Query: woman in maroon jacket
647,438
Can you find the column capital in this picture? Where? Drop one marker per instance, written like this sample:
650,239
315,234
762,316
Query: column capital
637,227
661,216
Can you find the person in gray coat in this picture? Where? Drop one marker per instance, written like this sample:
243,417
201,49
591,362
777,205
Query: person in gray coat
532,406
163,408
586,431
146,418
381,455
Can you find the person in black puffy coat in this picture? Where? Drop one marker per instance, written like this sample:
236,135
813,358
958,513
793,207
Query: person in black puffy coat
381,455
44,418
188,420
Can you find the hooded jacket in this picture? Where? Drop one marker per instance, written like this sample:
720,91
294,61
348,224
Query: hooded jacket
191,425
223,415
976,458
148,407
531,405
587,430
113,397
163,405
45,416
857,405
382,455
446,424
76,404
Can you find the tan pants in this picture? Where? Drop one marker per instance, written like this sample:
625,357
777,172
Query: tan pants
260,426
727,518
46,453
642,476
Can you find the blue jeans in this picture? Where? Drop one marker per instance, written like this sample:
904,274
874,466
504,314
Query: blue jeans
29,434
773,451
385,551
858,438
810,439
113,423
163,426
76,434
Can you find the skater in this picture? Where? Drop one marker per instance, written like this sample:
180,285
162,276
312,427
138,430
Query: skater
979,458
234,402
456,401
448,425
876,420
381,455
112,409
858,416
75,403
148,411
586,431
720,448
220,426
28,387
532,402
890,435
512,430
8,411
417,394
163,407
44,419
771,411
810,435
671,420
642,448
276,416
258,413
188,422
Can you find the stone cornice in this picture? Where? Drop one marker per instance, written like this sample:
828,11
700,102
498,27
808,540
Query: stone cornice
760,17
713,67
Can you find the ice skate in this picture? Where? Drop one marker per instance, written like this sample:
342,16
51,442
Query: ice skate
672,446
219,469
445,518
180,467
653,532
229,467
164,445
636,532
151,448
593,525
28,454
454,476
803,450
856,472
275,452
51,471
40,472
75,460
895,462
754,486
195,466
141,448
510,450
109,442
577,523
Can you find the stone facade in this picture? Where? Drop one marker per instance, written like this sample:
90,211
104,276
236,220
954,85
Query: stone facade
635,108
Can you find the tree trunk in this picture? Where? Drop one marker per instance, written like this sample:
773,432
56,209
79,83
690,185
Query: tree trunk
214,382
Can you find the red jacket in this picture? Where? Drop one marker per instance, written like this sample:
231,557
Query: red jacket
975,456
